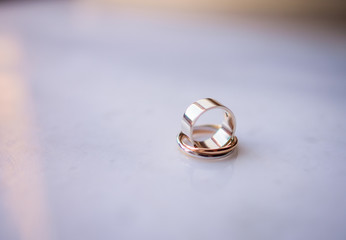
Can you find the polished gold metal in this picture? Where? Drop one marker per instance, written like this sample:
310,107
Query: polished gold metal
206,152
225,131
222,141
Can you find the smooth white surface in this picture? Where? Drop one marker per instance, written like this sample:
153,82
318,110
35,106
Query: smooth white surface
91,102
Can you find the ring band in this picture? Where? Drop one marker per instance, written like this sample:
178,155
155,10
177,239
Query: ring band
225,131
206,152
220,144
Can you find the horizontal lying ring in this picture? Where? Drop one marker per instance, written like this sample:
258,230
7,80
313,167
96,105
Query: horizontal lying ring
206,152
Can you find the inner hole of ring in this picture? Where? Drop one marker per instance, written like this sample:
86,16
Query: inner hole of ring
202,132
211,117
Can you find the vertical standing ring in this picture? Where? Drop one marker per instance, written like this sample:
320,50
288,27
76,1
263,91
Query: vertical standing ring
222,136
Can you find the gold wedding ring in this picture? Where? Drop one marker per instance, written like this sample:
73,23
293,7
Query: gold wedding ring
221,143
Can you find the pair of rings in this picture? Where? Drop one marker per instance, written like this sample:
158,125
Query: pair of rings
221,143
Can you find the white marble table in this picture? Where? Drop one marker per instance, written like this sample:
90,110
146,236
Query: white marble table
91,101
